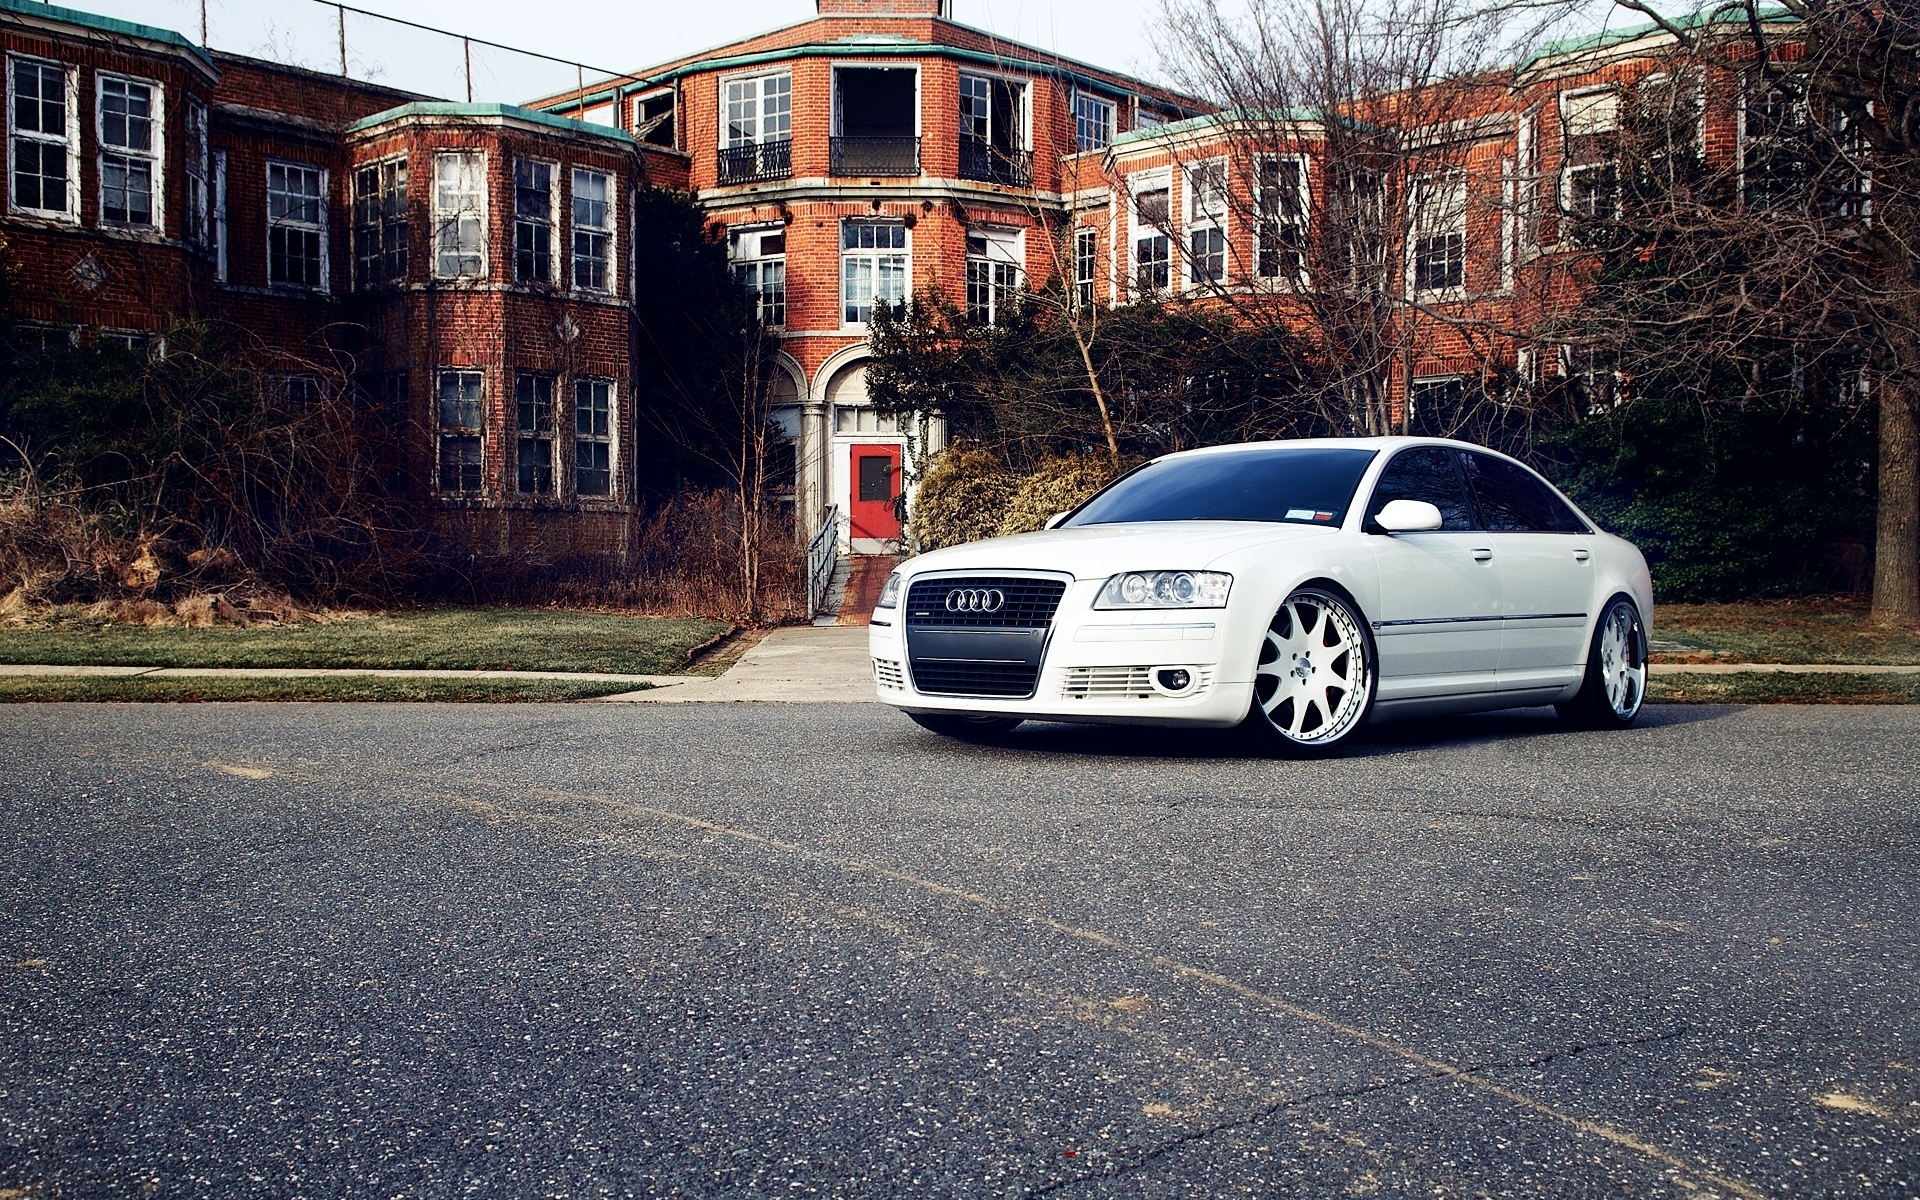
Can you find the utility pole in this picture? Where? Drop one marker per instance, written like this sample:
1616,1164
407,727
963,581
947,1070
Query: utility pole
466,48
342,10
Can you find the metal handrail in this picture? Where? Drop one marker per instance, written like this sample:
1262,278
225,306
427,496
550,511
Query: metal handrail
980,160
823,553
884,156
756,161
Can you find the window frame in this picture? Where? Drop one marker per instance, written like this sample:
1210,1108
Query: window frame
725,122
322,205
196,170
483,217
523,434
611,439
875,255
1081,121
70,79
1207,217
384,222
1279,216
1001,276
1086,265
1143,228
155,156
672,94
609,255
1422,230
751,271
551,223
444,431
1571,170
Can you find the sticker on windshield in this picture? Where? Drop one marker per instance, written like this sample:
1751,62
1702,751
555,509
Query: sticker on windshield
1300,514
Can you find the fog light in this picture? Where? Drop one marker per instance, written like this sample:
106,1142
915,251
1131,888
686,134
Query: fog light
1173,679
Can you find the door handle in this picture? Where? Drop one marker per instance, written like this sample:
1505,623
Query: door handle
1482,554
1581,554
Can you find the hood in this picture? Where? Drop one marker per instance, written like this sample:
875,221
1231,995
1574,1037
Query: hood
1097,551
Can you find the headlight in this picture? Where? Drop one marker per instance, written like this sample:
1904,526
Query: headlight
1166,589
890,593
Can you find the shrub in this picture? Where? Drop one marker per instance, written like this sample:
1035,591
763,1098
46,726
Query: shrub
1056,485
963,496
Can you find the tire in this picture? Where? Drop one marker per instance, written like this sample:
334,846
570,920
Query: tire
1616,681
1314,684
965,728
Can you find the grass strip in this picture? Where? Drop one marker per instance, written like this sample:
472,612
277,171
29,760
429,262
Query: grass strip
1781,687
459,639
1817,630
361,688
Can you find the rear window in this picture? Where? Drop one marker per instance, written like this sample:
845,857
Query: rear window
1304,485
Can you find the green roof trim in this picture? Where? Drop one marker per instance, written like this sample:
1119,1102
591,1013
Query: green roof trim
1699,19
509,112
73,16
869,49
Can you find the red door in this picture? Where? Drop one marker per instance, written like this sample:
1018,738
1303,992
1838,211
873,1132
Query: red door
876,491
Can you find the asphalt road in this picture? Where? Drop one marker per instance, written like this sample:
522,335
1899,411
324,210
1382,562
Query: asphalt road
584,950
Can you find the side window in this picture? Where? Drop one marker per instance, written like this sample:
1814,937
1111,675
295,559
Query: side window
1512,499
1425,473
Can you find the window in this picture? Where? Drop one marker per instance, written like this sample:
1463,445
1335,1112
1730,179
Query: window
873,269
1280,231
533,445
1086,264
1427,474
756,136
993,275
130,171
1151,256
1439,233
1092,121
196,165
302,391
1527,236
1590,122
653,119
217,228
296,226
380,223
593,437
32,341
760,266
1772,128
592,230
993,136
45,137
532,221
1593,376
140,345
1148,118
1206,222
460,431
460,214
1437,407
1513,500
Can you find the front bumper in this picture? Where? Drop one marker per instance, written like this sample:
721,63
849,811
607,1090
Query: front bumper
1098,667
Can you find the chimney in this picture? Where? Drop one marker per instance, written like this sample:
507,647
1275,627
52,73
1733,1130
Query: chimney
892,8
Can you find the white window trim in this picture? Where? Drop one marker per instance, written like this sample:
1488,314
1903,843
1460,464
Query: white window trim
71,75
611,228
574,439
1456,183
1195,220
1007,246
217,220
378,166
438,213
634,115
1113,120
326,249
1025,116
841,251
558,246
157,155
1302,202
441,431
1155,180
760,109
1526,140
1509,225
736,236
1568,169
1092,281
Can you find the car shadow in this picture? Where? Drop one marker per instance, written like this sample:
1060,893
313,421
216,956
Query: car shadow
1054,739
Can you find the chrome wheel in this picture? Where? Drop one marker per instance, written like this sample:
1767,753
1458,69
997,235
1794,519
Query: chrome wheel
1315,678
1623,667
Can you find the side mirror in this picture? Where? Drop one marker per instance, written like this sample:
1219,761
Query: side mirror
1056,518
1408,516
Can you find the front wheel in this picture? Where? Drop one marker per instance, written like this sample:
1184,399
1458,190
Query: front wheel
966,728
1315,681
1616,682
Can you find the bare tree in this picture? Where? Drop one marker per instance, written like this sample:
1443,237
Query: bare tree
1789,259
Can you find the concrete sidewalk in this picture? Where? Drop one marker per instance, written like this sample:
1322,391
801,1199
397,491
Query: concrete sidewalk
807,664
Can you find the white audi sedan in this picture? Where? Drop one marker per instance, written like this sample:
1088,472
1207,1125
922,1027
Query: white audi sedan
1303,588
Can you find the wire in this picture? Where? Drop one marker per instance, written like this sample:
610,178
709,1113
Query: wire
348,8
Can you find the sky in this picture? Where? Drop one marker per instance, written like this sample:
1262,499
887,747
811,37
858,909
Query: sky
619,35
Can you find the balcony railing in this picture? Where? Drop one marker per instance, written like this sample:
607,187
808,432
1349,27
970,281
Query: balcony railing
751,163
986,163
876,156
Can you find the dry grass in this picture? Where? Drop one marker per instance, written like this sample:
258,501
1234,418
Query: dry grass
1781,687
359,689
1818,630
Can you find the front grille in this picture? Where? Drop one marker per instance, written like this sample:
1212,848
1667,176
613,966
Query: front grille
1030,603
1124,683
949,677
887,674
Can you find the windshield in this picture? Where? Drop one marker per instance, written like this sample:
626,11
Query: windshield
1310,485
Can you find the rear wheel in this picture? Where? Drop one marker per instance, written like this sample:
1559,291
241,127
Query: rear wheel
1616,682
1315,681
966,728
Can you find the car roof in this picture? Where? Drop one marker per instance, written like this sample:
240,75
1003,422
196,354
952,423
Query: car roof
1393,442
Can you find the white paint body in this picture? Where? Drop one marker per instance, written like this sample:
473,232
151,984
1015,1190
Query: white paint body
1462,621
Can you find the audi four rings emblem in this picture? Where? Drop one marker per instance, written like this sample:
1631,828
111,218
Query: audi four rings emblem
980,600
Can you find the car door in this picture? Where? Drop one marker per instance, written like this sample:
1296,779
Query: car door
1544,557
1438,624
